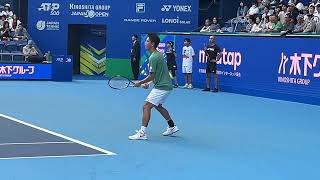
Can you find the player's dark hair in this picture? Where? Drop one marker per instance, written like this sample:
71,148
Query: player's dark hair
154,38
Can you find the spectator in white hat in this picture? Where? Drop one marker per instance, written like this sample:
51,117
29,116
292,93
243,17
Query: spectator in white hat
7,11
299,5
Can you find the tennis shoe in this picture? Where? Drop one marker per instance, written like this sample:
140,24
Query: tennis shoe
170,130
140,135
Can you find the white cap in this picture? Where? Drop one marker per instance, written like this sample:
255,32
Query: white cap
300,6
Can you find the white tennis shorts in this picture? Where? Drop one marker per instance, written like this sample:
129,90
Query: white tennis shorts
187,68
157,96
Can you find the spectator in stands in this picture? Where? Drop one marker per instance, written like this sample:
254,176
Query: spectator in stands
276,2
317,13
264,23
215,26
270,25
265,12
206,27
7,11
299,5
242,10
14,22
311,10
314,2
274,24
31,54
5,32
277,10
309,25
298,28
265,2
254,9
260,6
20,33
256,28
2,20
293,11
288,25
305,11
251,21
282,13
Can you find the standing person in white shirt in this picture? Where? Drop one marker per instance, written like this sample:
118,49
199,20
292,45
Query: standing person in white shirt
187,61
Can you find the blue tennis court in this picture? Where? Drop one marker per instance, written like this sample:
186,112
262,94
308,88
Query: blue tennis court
23,140
80,131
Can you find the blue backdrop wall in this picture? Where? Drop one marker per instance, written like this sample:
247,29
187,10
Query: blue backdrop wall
275,67
48,20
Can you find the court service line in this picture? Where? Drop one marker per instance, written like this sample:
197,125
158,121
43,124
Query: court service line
59,135
62,156
36,143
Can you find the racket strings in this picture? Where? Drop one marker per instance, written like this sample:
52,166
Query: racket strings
119,83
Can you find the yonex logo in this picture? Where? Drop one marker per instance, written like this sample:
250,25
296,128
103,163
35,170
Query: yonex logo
176,8
166,8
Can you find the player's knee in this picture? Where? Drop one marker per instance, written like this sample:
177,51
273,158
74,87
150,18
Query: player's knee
147,106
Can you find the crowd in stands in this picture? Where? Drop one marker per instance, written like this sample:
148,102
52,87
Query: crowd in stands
15,44
272,16
11,27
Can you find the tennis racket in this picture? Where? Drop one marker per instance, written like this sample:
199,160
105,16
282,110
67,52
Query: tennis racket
119,82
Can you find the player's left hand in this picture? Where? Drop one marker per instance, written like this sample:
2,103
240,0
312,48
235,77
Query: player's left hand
145,85
137,84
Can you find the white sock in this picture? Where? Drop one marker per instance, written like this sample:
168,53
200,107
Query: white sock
143,129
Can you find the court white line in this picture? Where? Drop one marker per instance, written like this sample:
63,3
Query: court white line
36,143
59,135
63,156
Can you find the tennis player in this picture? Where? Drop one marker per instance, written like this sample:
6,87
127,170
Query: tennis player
159,75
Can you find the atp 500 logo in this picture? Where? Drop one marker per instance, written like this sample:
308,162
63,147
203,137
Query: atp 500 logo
53,8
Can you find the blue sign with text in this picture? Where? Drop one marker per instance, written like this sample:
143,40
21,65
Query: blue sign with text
274,67
25,71
48,20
